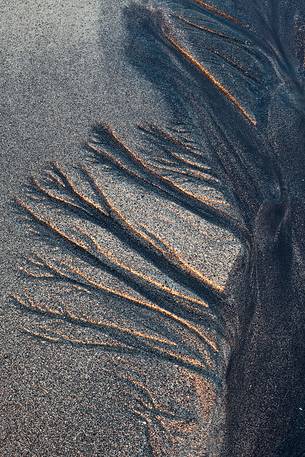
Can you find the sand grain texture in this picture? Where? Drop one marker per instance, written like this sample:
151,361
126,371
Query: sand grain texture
130,328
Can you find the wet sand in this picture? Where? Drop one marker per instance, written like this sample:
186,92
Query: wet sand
63,70
137,270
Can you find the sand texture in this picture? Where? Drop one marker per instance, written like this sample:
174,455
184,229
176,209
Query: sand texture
152,204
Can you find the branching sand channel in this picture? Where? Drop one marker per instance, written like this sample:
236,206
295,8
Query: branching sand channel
239,345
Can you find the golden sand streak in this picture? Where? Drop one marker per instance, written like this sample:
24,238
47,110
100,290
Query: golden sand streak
51,226
201,168
54,196
193,271
54,178
218,12
36,275
39,335
142,389
165,161
152,241
233,64
209,30
148,305
151,169
62,337
206,201
203,392
191,174
144,398
169,253
114,160
125,224
101,324
205,204
79,194
99,286
154,172
168,136
150,281
179,158
163,249
175,356
146,279
186,54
